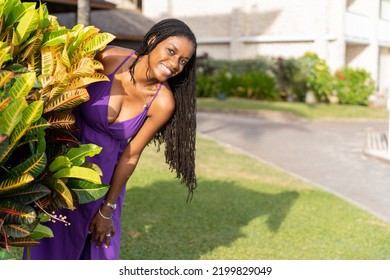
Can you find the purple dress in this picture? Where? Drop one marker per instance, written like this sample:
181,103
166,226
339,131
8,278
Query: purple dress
73,242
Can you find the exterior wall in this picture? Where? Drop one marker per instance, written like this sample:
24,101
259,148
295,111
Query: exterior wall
343,32
124,4
241,25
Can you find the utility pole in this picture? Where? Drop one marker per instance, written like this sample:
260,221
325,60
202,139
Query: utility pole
83,12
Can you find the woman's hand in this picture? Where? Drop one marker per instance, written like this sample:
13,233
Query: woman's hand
102,228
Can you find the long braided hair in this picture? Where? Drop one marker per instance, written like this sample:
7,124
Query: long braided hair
179,133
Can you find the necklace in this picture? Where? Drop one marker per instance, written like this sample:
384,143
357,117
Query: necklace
146,99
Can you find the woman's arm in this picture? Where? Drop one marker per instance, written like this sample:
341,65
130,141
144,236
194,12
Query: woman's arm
160,112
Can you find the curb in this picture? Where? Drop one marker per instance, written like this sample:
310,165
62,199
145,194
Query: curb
264,114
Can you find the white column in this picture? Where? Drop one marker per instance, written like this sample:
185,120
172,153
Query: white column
336,25
236,47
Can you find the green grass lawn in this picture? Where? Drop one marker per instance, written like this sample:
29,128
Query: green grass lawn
242,209
318,111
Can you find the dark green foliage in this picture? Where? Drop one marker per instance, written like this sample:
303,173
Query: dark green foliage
287,79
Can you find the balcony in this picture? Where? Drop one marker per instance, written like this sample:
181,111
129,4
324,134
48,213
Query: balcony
383,34
358,28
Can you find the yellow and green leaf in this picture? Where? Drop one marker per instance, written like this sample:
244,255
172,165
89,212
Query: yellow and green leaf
68,99
78,172
14,183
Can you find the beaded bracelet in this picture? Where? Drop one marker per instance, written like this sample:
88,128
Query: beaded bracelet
104,217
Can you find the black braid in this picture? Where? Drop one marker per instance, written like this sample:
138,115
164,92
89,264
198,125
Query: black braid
179,133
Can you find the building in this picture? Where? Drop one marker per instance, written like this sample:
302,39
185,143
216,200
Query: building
126,22
343,32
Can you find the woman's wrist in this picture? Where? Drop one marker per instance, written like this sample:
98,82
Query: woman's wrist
104,215
109,204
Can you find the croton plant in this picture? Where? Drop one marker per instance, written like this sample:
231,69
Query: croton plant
45,69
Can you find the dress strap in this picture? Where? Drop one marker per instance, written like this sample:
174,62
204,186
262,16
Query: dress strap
123,62
155,95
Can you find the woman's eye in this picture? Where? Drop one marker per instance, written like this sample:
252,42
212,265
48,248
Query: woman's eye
183,62
171,51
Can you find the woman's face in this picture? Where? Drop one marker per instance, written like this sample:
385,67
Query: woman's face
169,57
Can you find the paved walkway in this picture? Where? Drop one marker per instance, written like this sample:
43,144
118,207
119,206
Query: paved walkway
329,154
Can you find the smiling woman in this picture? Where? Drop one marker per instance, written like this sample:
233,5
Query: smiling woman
150,95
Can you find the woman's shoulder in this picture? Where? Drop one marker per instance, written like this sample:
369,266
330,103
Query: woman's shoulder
112,56
165,100
114,51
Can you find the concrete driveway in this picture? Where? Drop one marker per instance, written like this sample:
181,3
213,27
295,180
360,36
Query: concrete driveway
329,154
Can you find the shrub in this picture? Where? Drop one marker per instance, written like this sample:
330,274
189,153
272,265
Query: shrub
319,78
239,78
353,86
45,69
291,77
283,79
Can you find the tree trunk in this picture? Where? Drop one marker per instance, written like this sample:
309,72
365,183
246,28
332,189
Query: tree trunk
83,12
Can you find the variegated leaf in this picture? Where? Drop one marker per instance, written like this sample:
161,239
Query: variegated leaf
33,46
4,54
33,165
27,24
59,187
3,139
34,63
5,148
12,115
98,65
38,126
20,230
55,37
4,103
23,85
62,137
98,42
16,213
80,82
14,183
46,81
77,155
5,76
62,83
31,114
62,120
48,61
78,173
15,10
17,230
81,35
68,99
27,194
65,60
41,143
87,191
21,242
83,68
